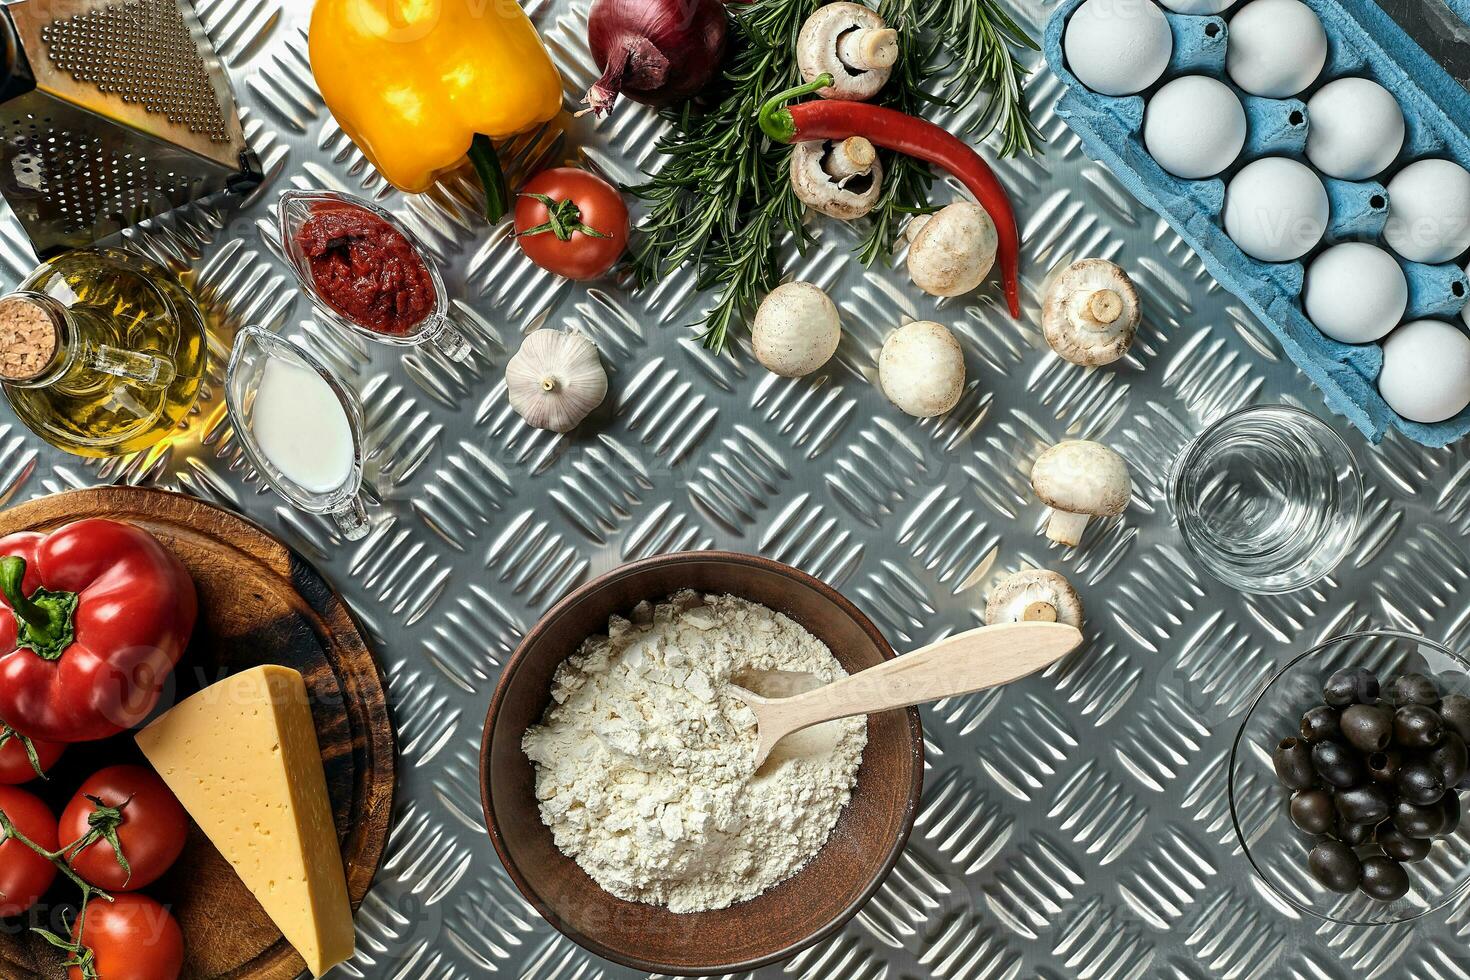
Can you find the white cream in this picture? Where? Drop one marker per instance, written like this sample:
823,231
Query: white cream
301,426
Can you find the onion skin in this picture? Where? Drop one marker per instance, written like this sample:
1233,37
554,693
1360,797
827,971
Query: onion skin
654,51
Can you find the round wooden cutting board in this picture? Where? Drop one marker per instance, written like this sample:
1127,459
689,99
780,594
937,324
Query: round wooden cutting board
258,603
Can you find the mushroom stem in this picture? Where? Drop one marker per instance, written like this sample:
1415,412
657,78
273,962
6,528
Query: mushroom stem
1106,306
1065,528
869,49
851,157
1039,612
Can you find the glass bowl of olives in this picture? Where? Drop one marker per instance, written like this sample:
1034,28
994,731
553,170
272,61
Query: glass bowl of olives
1345,779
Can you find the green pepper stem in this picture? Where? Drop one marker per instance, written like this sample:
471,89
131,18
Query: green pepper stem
43,620
487,165
775,117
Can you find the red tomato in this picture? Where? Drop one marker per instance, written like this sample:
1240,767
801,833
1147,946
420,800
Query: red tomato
24,874
555,235
152,830
132,938
15,764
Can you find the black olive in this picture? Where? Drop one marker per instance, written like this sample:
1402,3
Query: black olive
1402,848
1384,879
1321,723
1455,710
1417,727
1450,757
1293,762
1413,820
1450,809
1312,811
1416,689
1420,783
1363,804
1356,686
1335,865
1338,764
1368,728
1353,834
1384,766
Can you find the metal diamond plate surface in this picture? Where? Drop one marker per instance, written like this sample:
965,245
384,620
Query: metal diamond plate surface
1075,824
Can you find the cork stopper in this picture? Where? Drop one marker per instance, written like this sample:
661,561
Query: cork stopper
29,337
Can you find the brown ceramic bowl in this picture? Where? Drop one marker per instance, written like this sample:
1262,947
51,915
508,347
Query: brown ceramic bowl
805,908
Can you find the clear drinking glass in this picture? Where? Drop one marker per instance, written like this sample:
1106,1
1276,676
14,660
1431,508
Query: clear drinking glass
1267,499
436,329
254,347
1275,848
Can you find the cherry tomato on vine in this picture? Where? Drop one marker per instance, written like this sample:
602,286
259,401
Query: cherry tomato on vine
131,937
24,874
571,222
15,762
150,824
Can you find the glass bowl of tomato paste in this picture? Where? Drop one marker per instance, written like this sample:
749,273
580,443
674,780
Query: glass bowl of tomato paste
365,272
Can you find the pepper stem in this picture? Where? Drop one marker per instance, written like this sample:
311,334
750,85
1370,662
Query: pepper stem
44,621
487,165
775,116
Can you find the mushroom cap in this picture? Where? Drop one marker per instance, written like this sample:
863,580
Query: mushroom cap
816,51
796,329
951,251
1081,477
846,197
1014,594
922,369
1091,313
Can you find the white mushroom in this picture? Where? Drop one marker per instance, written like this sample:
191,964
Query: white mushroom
952,251
1034,595
796,329
851,43
843,179
922,369
1091,312
1079,480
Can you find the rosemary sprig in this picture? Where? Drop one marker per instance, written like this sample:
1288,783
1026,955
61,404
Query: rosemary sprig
721,200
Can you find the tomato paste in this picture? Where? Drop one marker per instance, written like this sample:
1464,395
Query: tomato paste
366,270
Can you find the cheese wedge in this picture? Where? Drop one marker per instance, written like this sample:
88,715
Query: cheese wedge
242,757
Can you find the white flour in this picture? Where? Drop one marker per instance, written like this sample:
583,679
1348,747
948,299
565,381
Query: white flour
644,762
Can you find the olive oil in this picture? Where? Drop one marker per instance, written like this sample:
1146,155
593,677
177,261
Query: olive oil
101,352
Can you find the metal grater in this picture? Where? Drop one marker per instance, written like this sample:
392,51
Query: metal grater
112,111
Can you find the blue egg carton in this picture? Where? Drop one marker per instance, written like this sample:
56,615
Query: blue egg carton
1362,41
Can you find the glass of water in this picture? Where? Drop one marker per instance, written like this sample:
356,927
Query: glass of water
1267,499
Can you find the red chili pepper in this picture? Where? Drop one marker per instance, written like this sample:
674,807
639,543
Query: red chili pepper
101,613
832,119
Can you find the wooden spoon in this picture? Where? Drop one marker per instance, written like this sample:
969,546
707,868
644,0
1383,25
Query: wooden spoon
961,664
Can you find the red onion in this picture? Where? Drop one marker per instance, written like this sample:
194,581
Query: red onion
654,51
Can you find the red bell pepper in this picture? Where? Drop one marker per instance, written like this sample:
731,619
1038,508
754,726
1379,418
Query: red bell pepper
99,614
835,119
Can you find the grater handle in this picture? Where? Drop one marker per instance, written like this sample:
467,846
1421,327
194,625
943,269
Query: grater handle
16,77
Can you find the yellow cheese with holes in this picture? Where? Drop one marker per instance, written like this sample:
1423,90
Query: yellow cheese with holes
242,757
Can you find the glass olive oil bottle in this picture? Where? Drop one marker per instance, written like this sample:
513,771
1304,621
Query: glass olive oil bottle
101,352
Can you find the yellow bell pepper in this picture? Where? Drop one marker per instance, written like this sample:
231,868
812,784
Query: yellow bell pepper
418,84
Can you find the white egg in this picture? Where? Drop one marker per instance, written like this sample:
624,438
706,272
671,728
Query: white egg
1276,48
1355,129
1276,209
1118,47
1197,6
1426,371
1194,127
1355,292
1429,211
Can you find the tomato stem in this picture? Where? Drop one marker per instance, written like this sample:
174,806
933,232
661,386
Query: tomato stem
563,219
43,621
7,733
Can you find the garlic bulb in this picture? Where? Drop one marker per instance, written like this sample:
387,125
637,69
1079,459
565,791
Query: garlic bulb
555,380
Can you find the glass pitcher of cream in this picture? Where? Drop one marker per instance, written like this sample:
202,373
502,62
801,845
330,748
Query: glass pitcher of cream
300,427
